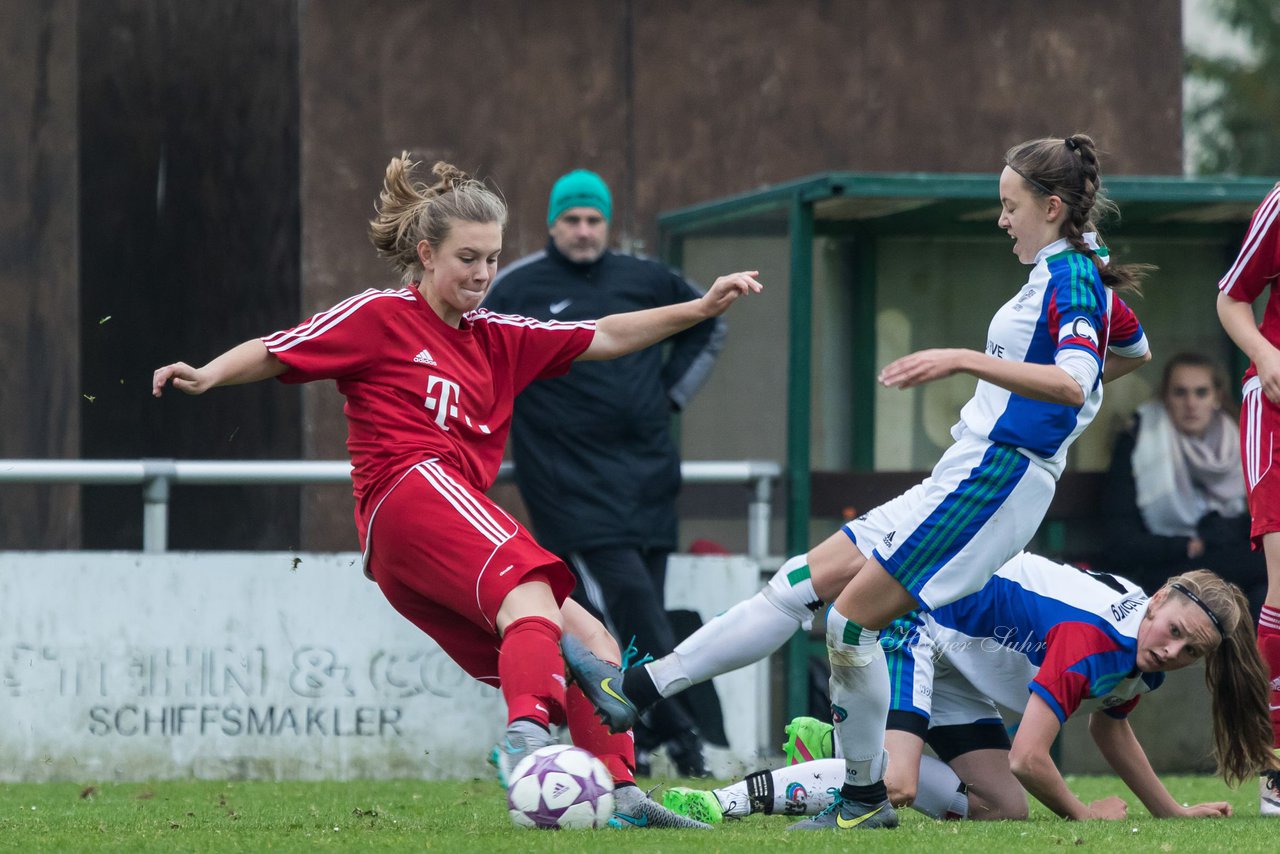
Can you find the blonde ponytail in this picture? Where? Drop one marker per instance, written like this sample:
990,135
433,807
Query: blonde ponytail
410,211
1236,678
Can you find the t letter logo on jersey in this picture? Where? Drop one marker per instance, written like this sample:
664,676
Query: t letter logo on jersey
446,404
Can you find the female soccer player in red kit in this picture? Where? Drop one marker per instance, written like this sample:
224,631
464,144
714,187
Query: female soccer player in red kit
1255,268
429,380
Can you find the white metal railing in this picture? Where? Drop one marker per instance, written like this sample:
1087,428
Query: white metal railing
157,476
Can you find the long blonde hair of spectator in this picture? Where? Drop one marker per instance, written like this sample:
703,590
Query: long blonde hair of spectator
1236,677
410,211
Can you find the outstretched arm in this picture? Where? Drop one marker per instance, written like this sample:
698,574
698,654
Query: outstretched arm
1120,747
620,334
244,363
1039,382
1031,763
1237,320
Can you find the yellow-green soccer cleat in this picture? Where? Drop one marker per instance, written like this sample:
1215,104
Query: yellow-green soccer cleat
850,815
808,739
698,804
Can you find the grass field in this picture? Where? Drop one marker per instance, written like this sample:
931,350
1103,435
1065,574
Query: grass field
407,815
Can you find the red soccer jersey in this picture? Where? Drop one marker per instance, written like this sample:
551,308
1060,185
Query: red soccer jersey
1257,266
418,389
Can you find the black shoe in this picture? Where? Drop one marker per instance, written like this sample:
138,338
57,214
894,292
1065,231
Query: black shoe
686,752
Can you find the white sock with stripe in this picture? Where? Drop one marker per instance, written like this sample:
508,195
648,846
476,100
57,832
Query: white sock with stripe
745,634
859,698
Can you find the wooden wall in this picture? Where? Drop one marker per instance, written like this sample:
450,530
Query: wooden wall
676,102
203,173
40,401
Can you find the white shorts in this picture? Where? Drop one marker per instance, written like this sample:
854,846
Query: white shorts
923,682
946,537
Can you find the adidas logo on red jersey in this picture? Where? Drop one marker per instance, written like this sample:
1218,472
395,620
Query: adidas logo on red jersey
424,358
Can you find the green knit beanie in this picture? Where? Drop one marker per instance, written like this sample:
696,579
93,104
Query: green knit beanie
579,189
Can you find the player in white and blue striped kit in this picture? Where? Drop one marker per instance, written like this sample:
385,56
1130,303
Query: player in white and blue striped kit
1039,386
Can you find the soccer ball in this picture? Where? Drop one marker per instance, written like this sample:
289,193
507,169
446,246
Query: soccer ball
560,787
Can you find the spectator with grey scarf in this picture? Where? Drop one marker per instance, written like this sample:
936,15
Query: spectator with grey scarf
1174,497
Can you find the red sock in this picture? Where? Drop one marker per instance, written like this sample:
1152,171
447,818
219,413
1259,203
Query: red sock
617,752
532,671
1269,646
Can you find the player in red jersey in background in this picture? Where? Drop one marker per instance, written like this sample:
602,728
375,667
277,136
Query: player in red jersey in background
429,380
1255,268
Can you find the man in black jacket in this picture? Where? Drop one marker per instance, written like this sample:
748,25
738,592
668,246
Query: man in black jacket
595,460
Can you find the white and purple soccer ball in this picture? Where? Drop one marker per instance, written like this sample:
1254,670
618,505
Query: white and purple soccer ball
560,787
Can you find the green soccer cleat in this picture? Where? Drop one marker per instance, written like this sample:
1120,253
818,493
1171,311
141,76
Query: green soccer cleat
697,804
808,739
850,815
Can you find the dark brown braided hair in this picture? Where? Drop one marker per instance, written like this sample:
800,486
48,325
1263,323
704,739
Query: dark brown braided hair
1068,168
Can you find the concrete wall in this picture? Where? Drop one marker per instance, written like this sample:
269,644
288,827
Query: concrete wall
276,665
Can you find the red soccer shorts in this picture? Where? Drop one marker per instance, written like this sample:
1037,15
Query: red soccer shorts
446,556
1260,455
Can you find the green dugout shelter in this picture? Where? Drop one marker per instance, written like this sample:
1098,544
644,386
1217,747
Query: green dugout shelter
861,268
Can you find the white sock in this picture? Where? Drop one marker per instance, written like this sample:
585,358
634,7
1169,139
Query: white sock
746,633
940,793
859,697
803,789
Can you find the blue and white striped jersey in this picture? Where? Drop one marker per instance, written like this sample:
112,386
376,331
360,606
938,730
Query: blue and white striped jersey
1063,308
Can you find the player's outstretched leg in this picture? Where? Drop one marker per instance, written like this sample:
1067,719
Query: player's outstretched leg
601,682
748,632
632,808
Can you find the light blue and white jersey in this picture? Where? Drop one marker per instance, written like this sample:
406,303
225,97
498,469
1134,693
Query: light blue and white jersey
1064,316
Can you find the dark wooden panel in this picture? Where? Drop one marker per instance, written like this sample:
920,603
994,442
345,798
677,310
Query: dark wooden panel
40,400
725,103
189,236
518,92
677,102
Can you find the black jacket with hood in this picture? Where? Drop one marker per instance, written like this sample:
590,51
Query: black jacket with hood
594,456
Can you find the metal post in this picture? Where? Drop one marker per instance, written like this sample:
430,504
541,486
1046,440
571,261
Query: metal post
799,411
155,504
758,512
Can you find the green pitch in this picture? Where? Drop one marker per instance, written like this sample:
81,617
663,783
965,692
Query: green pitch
405,815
